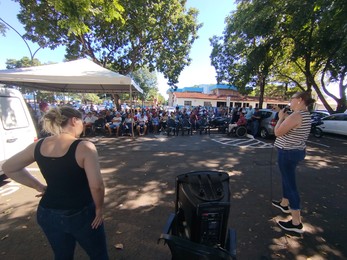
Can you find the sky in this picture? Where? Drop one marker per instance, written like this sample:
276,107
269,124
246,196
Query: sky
211,13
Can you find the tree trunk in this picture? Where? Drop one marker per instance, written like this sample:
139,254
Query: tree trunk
262,90
321,96
116,101
341,106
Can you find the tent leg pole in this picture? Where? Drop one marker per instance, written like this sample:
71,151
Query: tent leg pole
132,112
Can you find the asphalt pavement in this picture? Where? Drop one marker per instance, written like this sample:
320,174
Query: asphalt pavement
140,174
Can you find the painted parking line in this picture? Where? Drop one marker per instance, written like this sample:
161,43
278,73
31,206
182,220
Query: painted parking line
9,188
319,144
241,142
33,169
12,186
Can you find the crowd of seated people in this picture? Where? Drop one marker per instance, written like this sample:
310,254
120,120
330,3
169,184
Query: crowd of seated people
144,121
113,122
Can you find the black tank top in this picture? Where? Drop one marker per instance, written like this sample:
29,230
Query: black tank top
67,184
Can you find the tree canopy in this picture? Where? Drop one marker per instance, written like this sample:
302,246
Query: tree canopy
130,35
22,63
146,80
295,42
2,28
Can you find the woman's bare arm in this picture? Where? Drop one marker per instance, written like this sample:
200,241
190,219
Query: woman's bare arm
92,167
14,168
287,122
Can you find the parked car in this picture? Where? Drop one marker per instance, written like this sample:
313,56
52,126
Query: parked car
317,115
17,129
334,124
268,122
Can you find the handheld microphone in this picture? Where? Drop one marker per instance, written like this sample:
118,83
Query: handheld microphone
287,109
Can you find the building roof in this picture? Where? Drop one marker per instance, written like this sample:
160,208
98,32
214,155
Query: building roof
195,95
200,88
192,89
222,86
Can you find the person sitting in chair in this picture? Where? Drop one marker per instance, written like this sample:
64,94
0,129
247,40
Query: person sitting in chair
100,123
128,125
88,122
155,122
241,121
108,116
163,122
115,124
142,122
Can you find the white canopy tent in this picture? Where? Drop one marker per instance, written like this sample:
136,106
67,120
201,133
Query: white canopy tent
79,76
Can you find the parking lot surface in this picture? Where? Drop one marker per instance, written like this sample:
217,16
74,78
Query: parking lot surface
139,176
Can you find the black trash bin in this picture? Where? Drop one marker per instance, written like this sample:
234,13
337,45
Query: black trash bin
202,207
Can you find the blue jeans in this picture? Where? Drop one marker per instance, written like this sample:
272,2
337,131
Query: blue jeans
287,162
64,228
255,127
128,127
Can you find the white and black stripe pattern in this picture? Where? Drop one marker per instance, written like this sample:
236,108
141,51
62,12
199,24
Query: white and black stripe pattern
296,138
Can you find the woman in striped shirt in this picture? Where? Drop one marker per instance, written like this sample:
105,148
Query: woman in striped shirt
291,132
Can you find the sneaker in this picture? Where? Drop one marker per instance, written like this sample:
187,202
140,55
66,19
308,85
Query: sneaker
290,227
277,204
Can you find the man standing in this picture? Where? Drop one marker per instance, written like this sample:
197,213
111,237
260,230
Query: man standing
249,113
256,122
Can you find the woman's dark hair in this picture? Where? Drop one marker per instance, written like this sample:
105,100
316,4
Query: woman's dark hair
306,97
56,118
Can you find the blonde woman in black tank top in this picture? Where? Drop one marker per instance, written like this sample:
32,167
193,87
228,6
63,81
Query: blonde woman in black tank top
71,207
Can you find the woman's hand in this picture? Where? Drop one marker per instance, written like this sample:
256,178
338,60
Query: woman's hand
98,219
282,114
87,155
41,189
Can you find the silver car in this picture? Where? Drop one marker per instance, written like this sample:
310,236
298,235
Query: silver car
268,122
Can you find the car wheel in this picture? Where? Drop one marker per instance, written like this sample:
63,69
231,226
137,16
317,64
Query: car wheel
317,132
264,133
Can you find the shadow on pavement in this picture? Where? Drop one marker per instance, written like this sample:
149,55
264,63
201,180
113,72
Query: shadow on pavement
140,174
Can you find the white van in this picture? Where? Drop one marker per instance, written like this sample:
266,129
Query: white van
17,129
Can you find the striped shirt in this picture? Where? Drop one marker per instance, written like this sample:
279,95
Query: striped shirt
296,138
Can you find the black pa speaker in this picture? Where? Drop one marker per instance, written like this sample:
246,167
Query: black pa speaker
202,207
